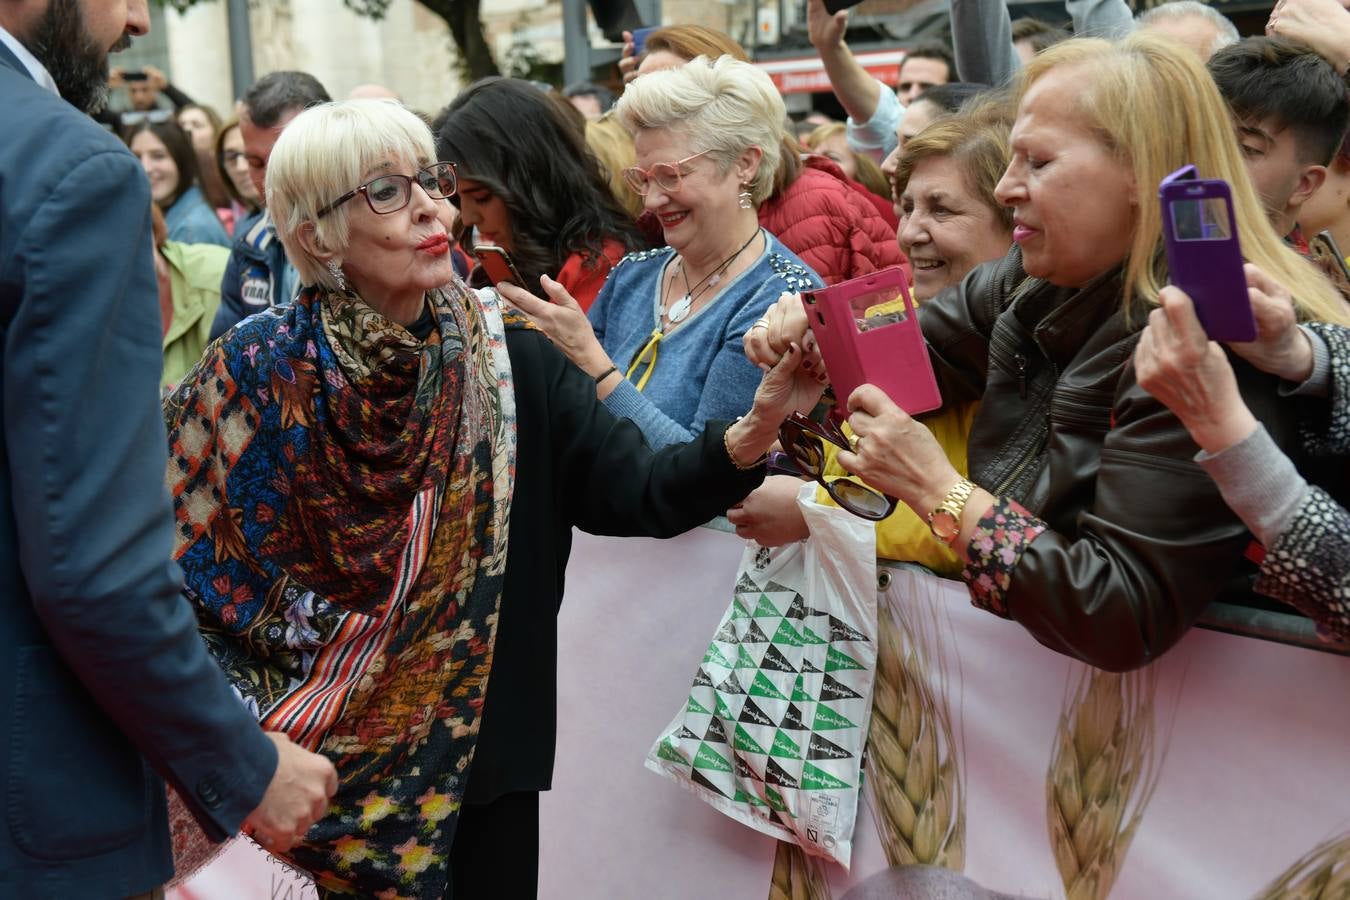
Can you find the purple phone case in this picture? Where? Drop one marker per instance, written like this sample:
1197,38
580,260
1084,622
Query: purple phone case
893,357
640,38
1204,258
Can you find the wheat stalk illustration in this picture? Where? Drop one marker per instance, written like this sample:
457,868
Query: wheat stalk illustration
797,876
913,759
1101,777
1322,874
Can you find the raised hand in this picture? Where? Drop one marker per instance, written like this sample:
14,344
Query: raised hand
782,325
1189,374
1323,25
628,61
563,321
1281,348
823,28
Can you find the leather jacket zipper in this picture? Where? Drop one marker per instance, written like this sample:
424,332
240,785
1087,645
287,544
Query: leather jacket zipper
1021,362
1033,451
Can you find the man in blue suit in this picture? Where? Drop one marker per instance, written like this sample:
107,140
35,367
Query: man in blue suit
104,681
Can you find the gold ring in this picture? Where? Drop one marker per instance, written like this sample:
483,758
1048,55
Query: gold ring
762,323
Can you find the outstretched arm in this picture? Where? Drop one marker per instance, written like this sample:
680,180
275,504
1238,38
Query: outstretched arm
856,90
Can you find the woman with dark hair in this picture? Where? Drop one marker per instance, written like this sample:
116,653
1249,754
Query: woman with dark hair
170,163
529,184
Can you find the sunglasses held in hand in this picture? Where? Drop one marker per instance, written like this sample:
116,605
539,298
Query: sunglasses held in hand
804,444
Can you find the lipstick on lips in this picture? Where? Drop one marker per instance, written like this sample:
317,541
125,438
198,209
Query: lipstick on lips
1021,232
436,245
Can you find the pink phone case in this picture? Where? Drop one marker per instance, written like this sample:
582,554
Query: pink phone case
893,356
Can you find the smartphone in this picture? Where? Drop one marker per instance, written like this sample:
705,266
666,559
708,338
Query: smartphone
497,263
892,356
640,39
135,75
834,6
1204,258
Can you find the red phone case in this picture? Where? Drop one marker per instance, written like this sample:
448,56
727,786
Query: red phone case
893,356
497,263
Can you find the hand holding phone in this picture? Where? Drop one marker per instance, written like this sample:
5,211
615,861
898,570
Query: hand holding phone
497,263
893,357
1204,258
640,39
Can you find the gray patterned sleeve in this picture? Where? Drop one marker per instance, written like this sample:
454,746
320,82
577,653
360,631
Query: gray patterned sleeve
1309,565
1330,435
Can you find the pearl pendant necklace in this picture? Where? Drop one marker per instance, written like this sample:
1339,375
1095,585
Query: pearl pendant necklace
678,311
680,308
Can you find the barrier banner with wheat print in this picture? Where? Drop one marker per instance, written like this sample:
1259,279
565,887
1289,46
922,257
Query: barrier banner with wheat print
775,724
1102,775
1322,874
914,762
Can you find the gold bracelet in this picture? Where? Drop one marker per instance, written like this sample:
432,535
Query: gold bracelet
726,442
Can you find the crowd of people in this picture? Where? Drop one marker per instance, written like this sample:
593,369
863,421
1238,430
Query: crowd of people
292,541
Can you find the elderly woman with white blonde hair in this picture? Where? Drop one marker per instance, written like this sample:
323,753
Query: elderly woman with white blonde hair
375,490
663,342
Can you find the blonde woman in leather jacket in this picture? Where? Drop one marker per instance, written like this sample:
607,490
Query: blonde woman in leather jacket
1085,517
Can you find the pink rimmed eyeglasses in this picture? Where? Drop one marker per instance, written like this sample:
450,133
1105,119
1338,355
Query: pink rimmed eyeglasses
668,176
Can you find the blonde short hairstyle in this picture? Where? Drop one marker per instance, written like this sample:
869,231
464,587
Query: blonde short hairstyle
1153,104
725,107
325,152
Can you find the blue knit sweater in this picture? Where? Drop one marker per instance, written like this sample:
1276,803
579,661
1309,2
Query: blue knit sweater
701,372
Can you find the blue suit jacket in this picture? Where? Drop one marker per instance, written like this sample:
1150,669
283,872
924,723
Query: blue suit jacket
103,677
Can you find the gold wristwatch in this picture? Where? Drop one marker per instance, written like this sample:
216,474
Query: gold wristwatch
945,521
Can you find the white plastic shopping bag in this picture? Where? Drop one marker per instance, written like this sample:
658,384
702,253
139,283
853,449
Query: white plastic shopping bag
775,724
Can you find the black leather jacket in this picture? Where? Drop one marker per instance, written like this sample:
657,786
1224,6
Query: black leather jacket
1139,538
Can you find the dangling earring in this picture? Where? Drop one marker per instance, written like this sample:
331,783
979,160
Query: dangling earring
336,271
745,195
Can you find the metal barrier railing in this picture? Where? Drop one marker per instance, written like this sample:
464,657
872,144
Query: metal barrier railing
1245,621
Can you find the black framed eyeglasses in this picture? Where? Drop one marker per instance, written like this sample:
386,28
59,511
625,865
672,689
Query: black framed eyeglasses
390,193
804,441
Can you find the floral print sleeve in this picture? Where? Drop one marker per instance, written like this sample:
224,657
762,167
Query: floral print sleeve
1307,566
1000,538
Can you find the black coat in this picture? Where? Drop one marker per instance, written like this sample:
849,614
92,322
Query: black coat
1140,539
577,466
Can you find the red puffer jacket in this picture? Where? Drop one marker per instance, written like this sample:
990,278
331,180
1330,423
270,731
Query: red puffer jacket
834,229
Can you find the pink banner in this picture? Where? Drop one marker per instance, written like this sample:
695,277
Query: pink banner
1216,773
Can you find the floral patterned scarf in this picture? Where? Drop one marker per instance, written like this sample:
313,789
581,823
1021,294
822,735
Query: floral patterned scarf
342,490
